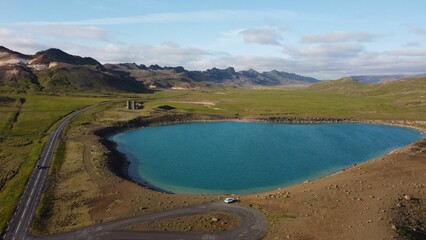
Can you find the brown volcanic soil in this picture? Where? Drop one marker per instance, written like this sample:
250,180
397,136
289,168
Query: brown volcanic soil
357,203
87,192
212,222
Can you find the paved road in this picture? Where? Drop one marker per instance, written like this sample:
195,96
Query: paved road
253,223
19,224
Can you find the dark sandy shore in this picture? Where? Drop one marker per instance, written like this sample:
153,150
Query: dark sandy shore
117,161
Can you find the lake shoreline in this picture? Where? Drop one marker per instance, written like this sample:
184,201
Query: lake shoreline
119,164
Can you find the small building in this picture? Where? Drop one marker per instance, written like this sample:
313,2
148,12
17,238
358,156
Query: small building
134,105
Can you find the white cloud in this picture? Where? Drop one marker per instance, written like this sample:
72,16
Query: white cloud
338,50
411,52
419,31
383,63
412,44
322,60
4,32
262,35
168,53
165,54
21,42
324,63
240,62
335,37
69,31
320,69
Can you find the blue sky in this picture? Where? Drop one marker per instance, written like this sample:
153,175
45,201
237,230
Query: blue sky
323,39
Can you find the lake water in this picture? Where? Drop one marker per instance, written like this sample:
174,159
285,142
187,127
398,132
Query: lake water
249,157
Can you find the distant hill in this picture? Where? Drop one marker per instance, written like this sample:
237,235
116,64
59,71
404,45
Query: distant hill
178,77
56,71
416,85
381,78
57,55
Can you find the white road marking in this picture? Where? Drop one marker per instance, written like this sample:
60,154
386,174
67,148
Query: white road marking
46,157
51,143
35,185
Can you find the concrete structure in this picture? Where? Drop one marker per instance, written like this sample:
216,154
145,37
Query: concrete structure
134,105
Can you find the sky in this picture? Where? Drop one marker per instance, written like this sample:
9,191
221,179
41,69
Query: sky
325,39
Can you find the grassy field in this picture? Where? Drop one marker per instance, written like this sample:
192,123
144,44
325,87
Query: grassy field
293,102
24,121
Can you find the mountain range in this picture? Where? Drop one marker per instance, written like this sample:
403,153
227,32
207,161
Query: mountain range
54,70
155,76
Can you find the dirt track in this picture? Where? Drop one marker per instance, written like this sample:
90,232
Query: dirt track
253,225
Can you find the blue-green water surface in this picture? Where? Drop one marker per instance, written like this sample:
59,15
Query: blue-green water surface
248,157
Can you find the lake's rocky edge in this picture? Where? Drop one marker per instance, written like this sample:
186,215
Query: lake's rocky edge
119,164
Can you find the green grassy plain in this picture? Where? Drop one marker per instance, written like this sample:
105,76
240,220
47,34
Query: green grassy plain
305,102
23,127
25,118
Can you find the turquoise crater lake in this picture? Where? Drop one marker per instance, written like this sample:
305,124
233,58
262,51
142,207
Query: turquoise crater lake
249,157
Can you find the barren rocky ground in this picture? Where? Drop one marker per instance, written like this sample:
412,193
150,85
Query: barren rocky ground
365,201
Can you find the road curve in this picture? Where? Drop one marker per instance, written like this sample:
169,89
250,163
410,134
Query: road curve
253,224
18,226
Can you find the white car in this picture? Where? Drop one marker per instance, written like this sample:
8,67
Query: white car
229,200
